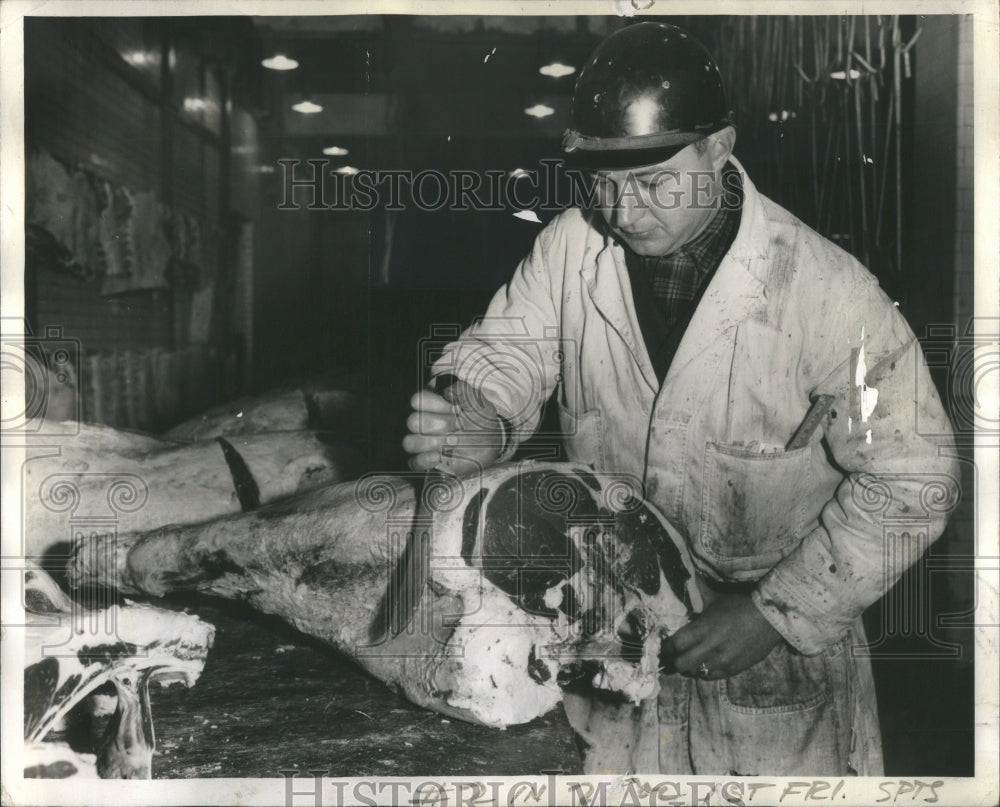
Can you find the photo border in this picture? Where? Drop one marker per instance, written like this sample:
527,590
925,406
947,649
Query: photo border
952,791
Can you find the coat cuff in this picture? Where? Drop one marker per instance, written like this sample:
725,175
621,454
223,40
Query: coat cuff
800,622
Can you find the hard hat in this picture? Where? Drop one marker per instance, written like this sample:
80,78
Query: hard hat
648,91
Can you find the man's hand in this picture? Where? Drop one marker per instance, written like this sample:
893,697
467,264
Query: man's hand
729,636
458,431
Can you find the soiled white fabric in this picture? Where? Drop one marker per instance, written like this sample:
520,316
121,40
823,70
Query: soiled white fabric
825,529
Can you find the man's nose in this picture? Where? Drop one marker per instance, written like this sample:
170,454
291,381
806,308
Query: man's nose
627,210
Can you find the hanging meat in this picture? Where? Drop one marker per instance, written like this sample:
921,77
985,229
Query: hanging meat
538,574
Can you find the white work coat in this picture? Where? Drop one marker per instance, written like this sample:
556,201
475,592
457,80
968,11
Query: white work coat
824,529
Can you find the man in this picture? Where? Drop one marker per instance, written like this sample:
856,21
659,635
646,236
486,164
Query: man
699,328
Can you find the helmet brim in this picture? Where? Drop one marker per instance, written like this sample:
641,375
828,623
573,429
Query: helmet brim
615,160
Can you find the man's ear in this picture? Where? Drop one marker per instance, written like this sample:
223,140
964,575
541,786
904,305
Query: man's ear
721,146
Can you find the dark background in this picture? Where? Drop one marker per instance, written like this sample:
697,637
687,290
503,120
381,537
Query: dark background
181,107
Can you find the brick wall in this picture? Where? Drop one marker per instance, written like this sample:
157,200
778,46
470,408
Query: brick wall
94,107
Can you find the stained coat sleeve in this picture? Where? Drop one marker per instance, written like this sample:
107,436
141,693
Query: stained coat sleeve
900,481
512,353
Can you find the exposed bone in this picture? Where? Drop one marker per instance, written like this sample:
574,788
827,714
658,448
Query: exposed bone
537,571
70,652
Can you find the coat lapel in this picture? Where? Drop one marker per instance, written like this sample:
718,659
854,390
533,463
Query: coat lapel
606,280
732,296
735,292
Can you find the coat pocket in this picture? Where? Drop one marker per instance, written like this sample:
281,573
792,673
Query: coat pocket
753,504
583,436
783,681
779,717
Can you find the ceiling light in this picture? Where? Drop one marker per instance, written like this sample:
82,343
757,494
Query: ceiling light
539,111
528,215
517,173
307,107
194,104
557,70
840,75
138,58
350,170
335,151
280,62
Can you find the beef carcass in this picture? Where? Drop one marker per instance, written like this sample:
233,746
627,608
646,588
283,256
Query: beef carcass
340,413
128,482
72,651
539,573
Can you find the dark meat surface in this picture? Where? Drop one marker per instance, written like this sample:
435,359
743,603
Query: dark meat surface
272,699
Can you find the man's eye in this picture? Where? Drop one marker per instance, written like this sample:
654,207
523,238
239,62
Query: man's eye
665,178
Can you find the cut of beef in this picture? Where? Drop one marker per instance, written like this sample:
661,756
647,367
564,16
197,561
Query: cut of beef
535,569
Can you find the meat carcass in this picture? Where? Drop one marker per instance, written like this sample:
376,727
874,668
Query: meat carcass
539,573
338,412
72,651
127,482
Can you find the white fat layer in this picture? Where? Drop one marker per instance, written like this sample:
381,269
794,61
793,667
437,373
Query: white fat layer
485,667
41,754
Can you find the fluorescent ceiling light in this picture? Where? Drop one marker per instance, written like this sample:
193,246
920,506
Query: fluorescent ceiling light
539,111
307,107
350,170
335,151
138,58
194,104
517,173
840,75
280,62
528,215
557,70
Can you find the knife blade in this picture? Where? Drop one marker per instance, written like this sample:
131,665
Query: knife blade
409,578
